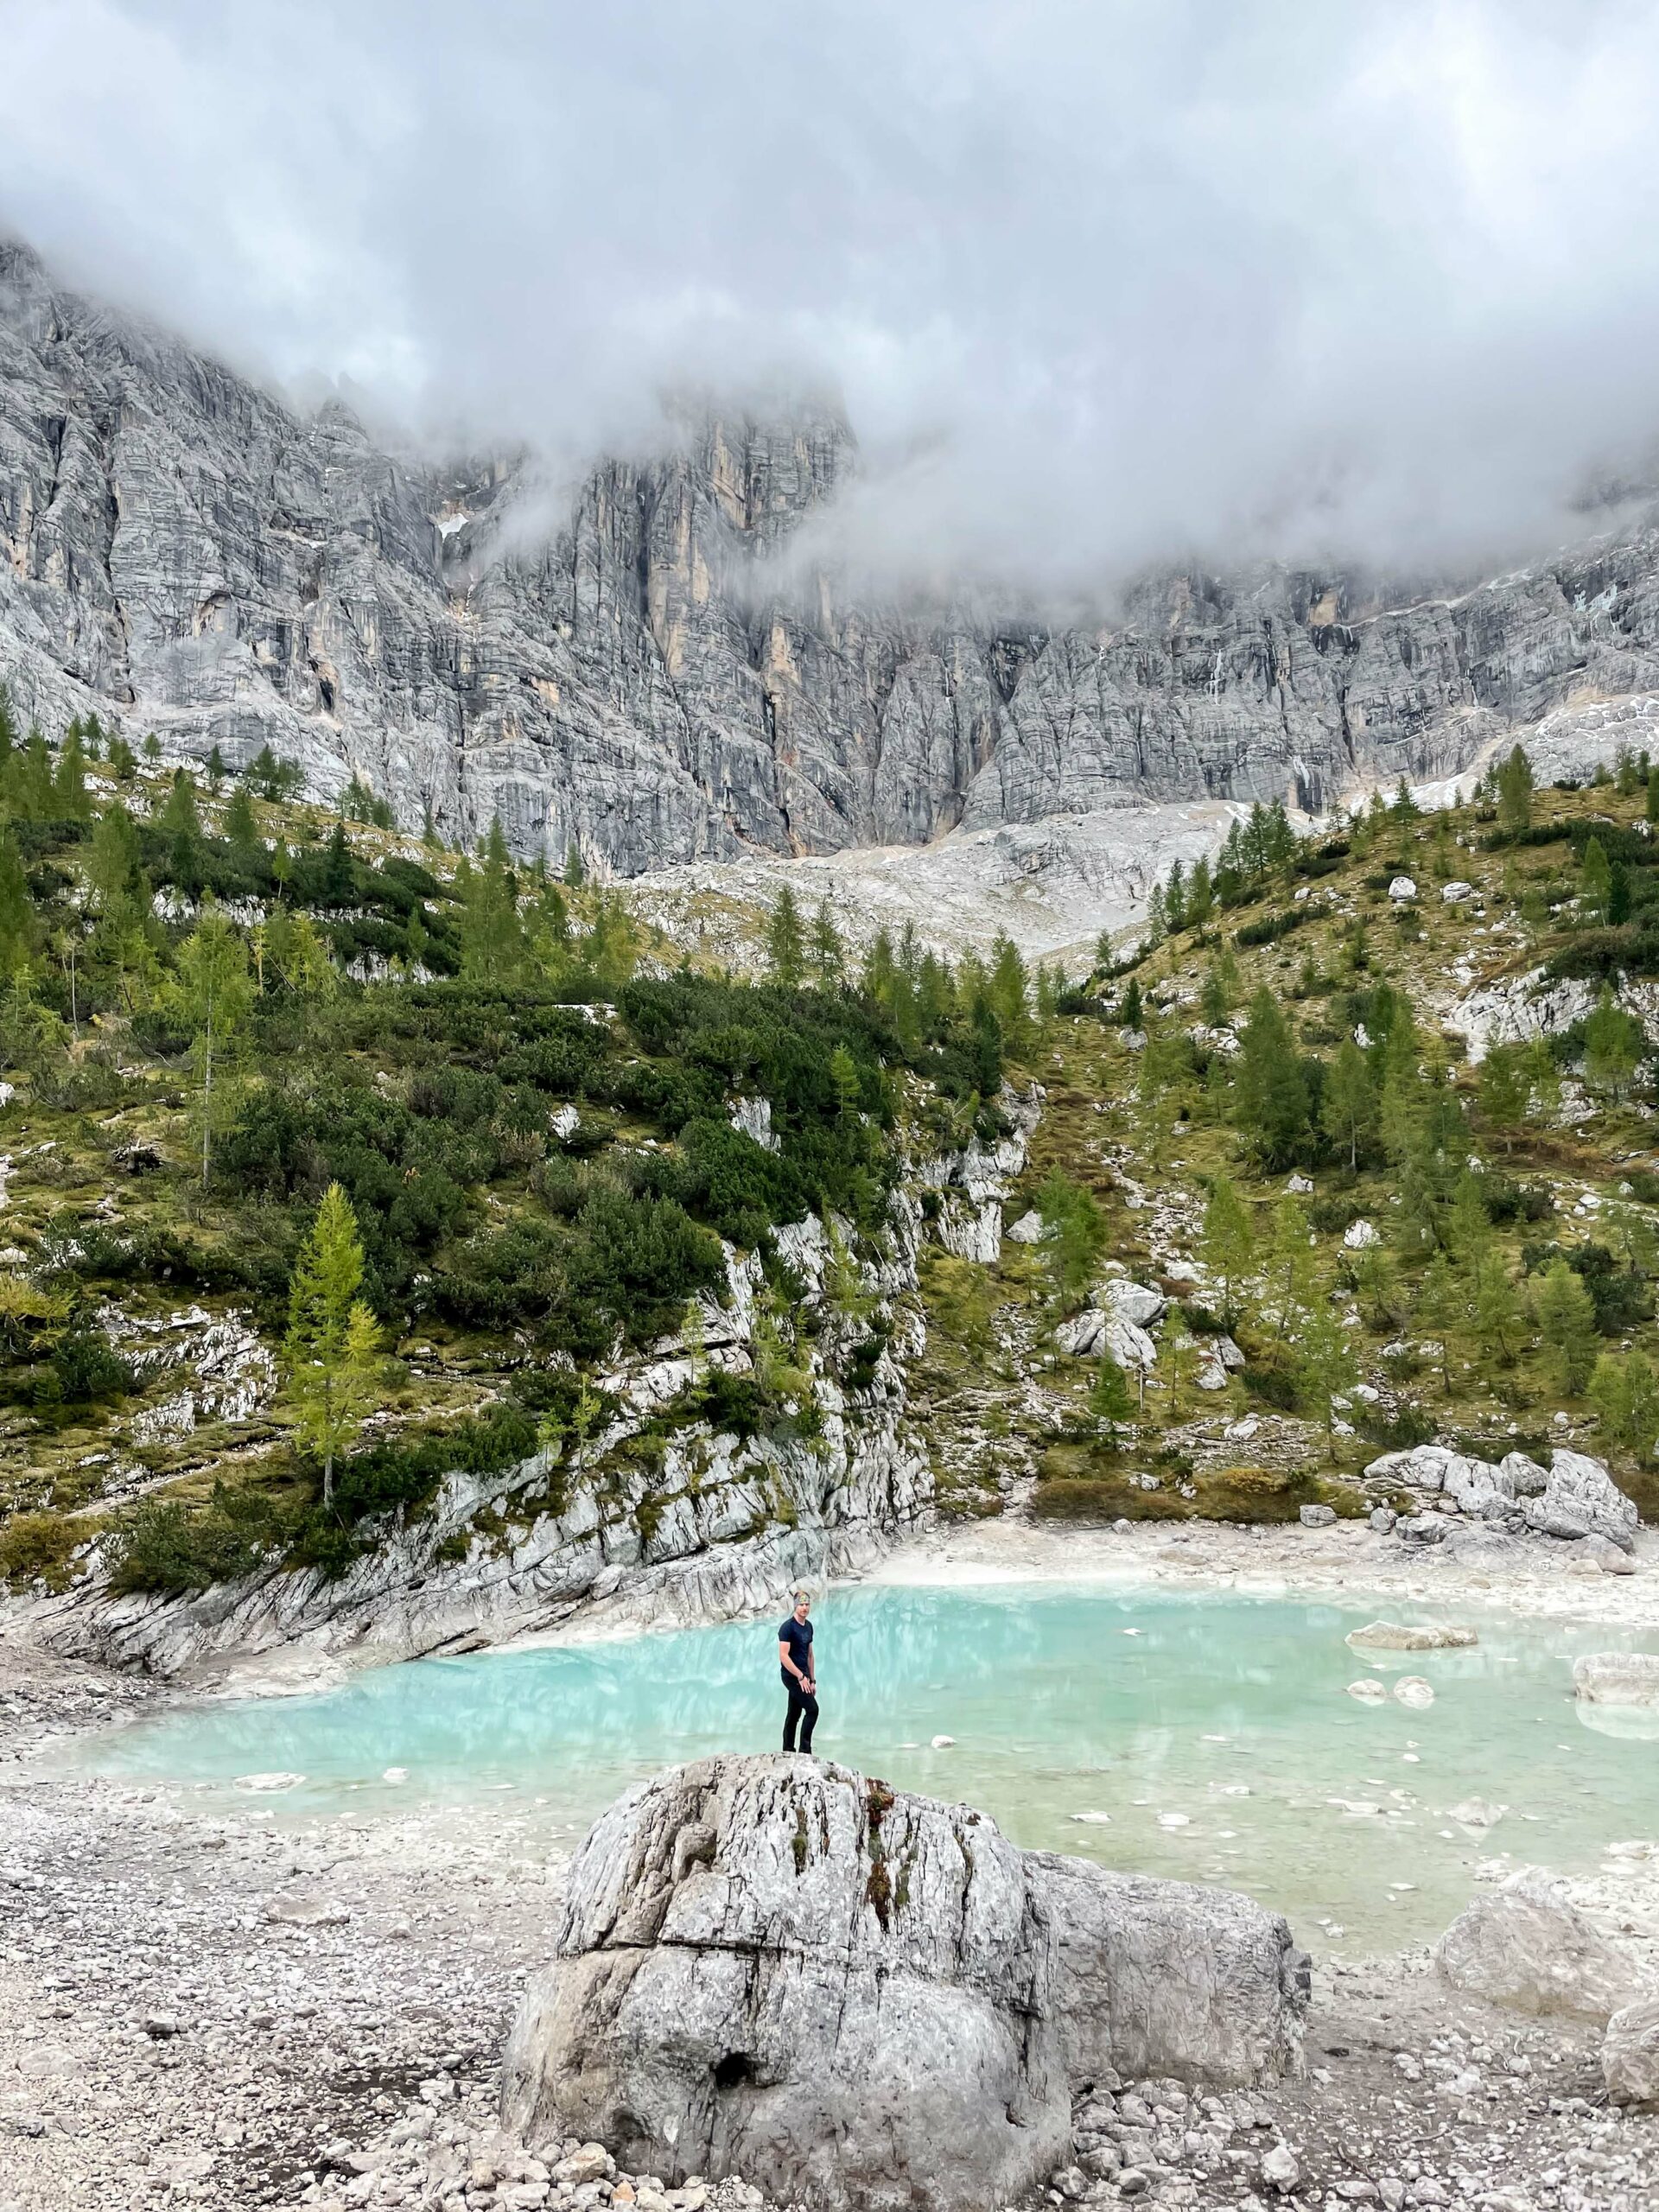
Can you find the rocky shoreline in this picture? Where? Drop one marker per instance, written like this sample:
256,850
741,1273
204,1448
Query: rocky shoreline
211,2011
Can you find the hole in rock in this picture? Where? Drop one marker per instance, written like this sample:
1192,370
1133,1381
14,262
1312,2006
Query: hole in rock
736,2066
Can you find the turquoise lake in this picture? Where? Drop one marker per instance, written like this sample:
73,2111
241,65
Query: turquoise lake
1213,1731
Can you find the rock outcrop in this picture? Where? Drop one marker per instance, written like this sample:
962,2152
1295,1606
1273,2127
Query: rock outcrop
1577,1498
1630,2056
634,672
859,1998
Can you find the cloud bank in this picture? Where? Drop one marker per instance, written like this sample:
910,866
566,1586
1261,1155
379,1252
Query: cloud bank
1097,284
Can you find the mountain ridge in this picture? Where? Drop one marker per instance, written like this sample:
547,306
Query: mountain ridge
187,553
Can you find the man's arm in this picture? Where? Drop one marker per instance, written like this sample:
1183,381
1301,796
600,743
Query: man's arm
787,1659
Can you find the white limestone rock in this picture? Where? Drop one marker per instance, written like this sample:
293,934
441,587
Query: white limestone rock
1526,1948
1401,889
1393,1635
1028,1229
867,2000
1581,1499
1630,2056
1360,1236
1626,1678
1454,893
1132,1301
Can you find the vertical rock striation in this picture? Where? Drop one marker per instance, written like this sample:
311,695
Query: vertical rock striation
630,667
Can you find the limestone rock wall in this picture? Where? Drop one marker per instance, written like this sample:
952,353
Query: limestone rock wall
624,666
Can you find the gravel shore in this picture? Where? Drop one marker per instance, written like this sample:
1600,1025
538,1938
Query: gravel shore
215,2010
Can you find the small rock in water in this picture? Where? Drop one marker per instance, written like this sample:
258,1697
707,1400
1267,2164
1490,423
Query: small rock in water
1093,1820
268,1781
1174,1820
1413,1690
1370,1691
396,1774
1392,1636
1476,1813
942,1742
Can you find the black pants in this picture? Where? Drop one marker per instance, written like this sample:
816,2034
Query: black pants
802,1715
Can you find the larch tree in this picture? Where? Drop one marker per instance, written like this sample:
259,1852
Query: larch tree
785,942
214,991
1565,1314
330,1354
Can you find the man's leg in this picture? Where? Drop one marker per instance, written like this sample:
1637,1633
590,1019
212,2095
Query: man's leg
810,1708
791,1719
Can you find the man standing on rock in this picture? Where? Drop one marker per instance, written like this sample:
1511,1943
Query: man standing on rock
795,1661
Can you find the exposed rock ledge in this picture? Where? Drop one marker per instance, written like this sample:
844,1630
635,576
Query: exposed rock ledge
865,1999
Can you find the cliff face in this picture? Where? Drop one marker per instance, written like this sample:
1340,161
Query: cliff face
184,551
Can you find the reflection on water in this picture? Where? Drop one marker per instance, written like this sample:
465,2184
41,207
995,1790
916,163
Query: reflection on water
1209,1737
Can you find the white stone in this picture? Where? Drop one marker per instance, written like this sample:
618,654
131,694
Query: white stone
1360,1236
1629,1678
1368,1691
1528,1948
1581,1499
1401,889
1630,2055
1132,1301
1393,1636
1413,1690
1455,893
1028,1229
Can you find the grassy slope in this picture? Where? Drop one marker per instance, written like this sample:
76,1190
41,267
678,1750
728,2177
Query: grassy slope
1151,1187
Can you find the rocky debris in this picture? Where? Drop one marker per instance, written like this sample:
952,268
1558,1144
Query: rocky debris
865,1998
1527,1948
1630,2055
1393,1636
1617,1678
1575,1499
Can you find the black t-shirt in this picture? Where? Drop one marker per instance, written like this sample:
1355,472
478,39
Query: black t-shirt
798,1635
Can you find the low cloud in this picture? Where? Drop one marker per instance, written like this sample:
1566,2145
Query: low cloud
1098,286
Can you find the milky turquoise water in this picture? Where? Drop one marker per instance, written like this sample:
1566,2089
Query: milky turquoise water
1213,1730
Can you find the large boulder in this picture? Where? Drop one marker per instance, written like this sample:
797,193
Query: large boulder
1527,1948
1169,1980
1617,1678
1132,1301
861,1999
1582,1499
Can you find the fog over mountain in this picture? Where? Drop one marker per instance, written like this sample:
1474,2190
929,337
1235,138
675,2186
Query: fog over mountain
870,422
1096,287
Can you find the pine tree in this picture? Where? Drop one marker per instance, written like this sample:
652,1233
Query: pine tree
1075,1234
493,948
1110,1405
1200,896
217,771
1008,991
1229,1243
1325,1366
213,992
1650,803
20,928
1132,1014
1440,1309
845,1082
181,825
826,953
1496,1307
1613,1047
1291,1288
576,868
242,829
1595,881
1348,1108
1505,1091
124,761
331,1353
69,785
1515,786
785,942
1270,1088
1565,1314
1626,1393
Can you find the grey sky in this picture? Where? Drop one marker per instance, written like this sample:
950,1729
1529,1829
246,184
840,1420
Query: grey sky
1097,284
